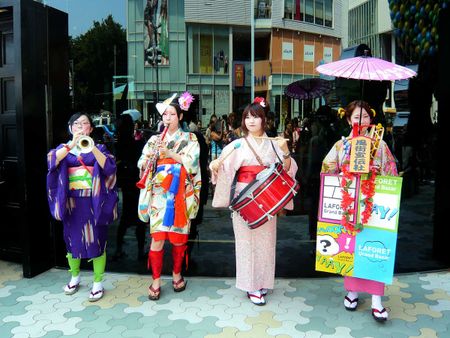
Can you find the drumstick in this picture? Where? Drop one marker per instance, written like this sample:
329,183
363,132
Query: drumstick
271,138
236,145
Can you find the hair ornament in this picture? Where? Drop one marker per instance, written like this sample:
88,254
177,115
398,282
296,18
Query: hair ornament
374,112
260,100
341,112
185,100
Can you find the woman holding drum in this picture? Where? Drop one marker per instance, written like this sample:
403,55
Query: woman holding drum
383,163
170,190
235,174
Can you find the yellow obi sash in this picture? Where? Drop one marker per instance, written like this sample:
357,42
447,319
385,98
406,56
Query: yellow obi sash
80,178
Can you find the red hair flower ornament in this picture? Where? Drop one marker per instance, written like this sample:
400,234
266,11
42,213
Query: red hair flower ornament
260,100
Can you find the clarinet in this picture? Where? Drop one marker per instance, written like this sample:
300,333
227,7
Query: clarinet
151,162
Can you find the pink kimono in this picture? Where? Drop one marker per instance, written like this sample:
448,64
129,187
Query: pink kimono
255,248
332,165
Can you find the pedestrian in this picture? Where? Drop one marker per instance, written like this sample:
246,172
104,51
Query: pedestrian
128,151
174,191
82,193
360,113
255,248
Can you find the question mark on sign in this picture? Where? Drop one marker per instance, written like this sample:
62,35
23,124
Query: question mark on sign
325,244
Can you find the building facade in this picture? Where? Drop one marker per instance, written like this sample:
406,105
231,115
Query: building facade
206,49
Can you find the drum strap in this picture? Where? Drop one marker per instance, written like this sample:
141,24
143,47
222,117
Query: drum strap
273,147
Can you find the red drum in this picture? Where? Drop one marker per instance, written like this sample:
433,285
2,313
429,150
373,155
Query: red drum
265,196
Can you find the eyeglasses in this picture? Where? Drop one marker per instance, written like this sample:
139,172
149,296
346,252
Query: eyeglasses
85,123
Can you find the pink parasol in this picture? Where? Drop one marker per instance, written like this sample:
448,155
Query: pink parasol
366,68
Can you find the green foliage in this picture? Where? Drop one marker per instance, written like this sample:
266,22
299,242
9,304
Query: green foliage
93,58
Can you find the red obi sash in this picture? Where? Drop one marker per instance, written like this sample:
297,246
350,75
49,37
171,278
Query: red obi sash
248,173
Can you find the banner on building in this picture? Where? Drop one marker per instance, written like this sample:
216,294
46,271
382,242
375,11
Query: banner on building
328,54
156,26
368,254
239,75
287,50
308,53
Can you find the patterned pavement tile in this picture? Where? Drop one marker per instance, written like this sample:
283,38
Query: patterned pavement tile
24,319
265,318
227,332
340,331
288,328
421,308
208,325
148,327
116,331
442,305
439,294
6,328
426,333
101,324
316,324
218,311
425,322
87,314
67,328
130,322
35,330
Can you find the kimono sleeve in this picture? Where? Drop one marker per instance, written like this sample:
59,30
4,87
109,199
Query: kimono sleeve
330,164
145,152
109,167
190,156
385,160
225,176
57,185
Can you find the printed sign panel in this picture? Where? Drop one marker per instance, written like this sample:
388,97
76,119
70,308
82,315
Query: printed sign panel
334,249
369,254
331,196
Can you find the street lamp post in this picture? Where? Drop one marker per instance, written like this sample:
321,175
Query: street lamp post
153,56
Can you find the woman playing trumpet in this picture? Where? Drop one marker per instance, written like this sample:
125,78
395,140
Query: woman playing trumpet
174,191
81,186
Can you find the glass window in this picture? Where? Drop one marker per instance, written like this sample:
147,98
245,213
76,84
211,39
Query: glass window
195,51
319,12
289,9
302,10
309,11
328,13
9,95
221,52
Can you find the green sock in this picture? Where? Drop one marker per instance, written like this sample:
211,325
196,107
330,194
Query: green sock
99,264
74,264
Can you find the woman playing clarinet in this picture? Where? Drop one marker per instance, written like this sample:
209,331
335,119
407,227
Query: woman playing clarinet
174,190
255,248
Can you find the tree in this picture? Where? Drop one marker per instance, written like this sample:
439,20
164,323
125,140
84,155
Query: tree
94,59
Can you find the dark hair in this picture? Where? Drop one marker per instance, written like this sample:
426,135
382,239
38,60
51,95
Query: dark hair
76,116
256,110
125,126
177,108
358,104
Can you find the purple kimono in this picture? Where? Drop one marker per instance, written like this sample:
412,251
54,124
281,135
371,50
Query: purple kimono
84,197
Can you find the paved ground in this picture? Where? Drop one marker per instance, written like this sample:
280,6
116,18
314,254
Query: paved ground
418,304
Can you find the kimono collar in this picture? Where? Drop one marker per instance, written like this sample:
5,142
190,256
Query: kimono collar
173,137
255,143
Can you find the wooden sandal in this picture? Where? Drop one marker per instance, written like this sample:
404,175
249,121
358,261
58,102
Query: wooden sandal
178,282
156,293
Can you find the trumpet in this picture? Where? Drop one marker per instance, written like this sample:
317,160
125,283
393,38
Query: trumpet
85,144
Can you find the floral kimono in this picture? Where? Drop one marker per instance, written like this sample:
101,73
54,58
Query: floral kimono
173,189
84,197
332,164
255,248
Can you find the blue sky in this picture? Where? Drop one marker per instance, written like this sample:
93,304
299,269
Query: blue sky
82,13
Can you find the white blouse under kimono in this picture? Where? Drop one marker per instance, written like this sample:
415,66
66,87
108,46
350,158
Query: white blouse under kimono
255,248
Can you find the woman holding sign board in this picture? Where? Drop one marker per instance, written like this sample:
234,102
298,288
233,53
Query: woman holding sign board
360,115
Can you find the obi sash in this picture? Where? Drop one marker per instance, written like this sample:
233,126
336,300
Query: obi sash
80,178
174,185
247,174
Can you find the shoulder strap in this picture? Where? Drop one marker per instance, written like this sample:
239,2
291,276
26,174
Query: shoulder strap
254,152
273,147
